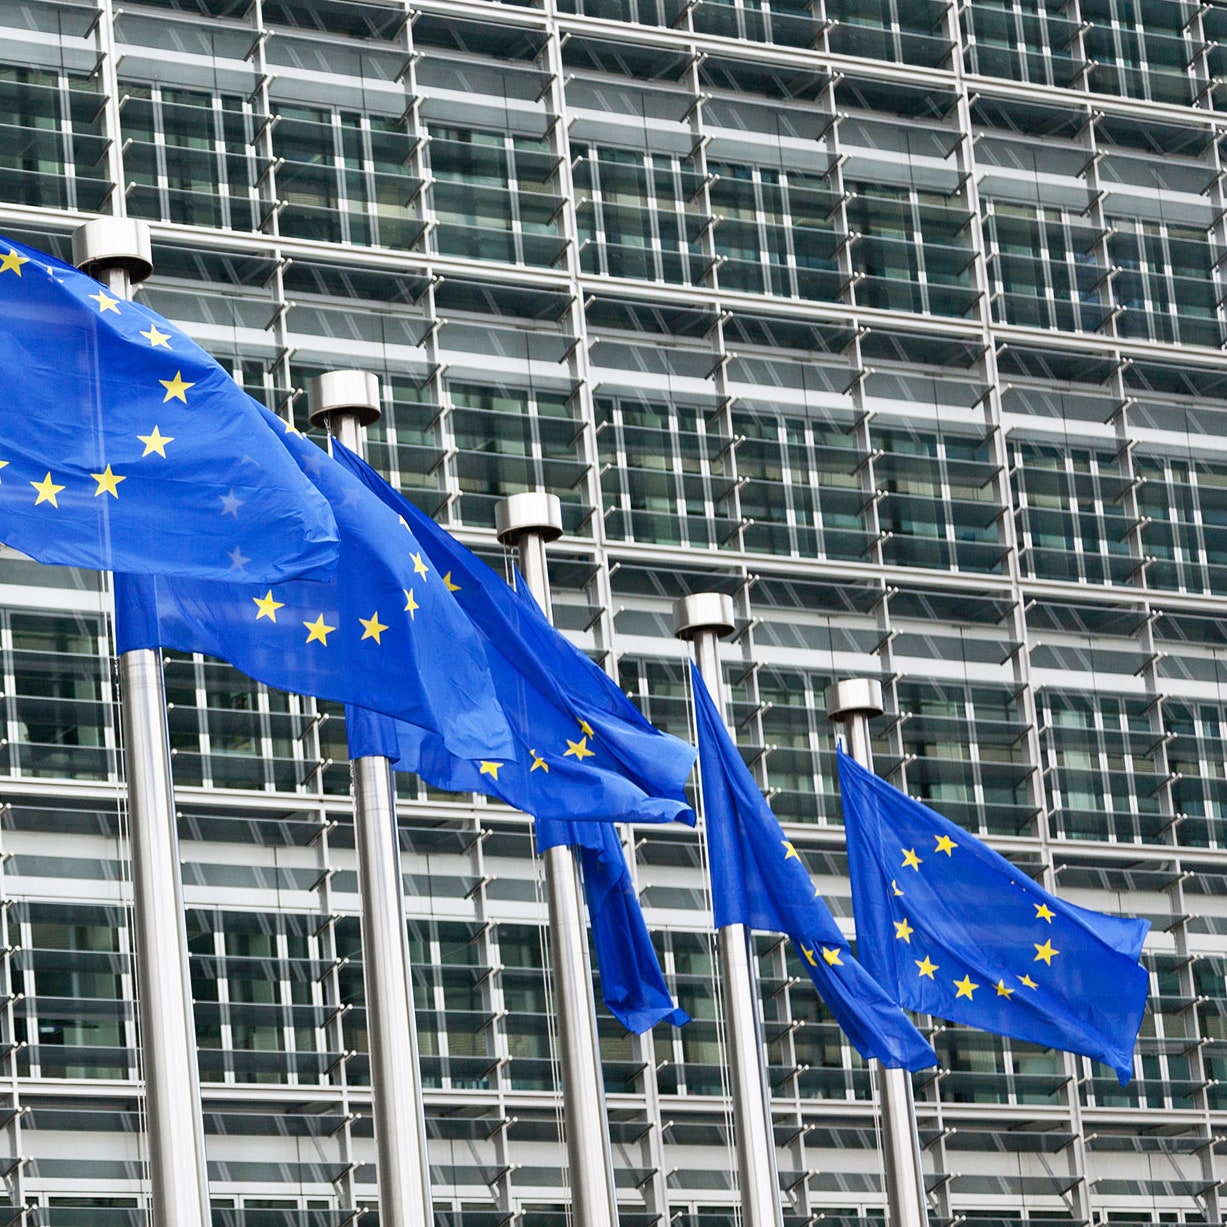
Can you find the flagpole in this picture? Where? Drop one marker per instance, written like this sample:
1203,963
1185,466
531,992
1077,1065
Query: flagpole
855,702
529,521
344,402
703,618
117,252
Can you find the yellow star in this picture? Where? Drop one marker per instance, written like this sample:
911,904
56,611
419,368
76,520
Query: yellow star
155,442
107,482
47,490
175,388
12,262
894,886
447,579
419,567
490,769
809,957
1043,912
926,967
1002,991
586,729
372,628
579,749
320,630
1028,981
903,931
1044,952
4,464
156,338
791,854
832,957
411,606
538,761
910,858
268,607
105,302
945,844
965,987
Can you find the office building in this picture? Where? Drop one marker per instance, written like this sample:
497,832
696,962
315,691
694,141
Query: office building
900,321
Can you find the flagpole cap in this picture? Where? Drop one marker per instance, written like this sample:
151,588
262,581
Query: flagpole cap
703,611
854,696
113,242
534,511
343,392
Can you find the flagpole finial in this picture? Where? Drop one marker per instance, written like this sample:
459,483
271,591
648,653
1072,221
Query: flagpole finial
854,696
703,611
113,242
349,393
534,511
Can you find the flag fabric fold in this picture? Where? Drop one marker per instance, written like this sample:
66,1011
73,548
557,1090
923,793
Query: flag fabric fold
949,927
385,632
124,446
582,750
632,984
758,880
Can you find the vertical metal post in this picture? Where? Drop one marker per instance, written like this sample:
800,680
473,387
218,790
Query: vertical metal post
855,702
117,251
345,402
703,618
529,521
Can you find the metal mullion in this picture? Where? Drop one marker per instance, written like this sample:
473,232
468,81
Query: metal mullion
159,149
225,1024
513,196
17,1178
789,268
265,734
67,161
366,169
597,200
204,734
217,118
340,177
438,1002
285,991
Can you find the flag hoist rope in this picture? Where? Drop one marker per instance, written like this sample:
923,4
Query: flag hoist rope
344,402
117,251
529,521
855,702
703,618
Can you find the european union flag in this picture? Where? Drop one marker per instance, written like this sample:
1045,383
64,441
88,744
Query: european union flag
758,880
632,983
385,632
582,750
124,446
949,927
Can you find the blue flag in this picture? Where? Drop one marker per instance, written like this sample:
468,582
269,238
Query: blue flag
758,880
124,446
949,927
385,632
582,750
632,983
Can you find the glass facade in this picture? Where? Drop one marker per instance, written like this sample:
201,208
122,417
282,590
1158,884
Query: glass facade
900,321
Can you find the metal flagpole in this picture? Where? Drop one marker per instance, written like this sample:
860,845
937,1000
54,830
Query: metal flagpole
703,618
117,251
344,402
529,521
855,702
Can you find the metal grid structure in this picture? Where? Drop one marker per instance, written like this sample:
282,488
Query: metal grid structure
901,321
